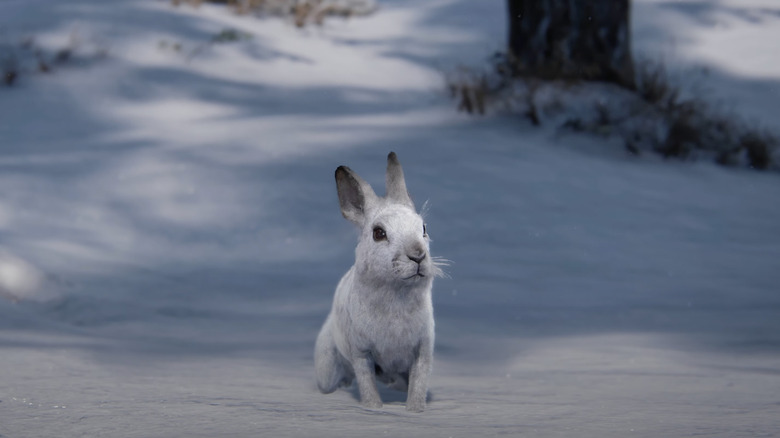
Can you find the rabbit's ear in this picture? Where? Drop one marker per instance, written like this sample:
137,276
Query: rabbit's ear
395,183
355,195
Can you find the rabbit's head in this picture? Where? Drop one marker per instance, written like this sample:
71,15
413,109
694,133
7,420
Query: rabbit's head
394,244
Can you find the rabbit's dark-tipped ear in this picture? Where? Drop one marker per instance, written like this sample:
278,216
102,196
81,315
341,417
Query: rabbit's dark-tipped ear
355,195
395,183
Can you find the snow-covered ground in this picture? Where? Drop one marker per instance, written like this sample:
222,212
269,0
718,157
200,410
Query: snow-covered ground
170,229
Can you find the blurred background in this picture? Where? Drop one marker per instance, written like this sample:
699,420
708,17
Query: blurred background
603,176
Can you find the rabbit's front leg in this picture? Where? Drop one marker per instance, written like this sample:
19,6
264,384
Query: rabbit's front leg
366,381
418,377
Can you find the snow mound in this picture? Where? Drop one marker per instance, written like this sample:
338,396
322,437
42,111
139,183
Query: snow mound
19,280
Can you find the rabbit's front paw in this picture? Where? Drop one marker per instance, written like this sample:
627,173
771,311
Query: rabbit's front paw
412,406
371,404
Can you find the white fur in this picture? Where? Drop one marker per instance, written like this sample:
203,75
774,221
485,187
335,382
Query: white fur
381,323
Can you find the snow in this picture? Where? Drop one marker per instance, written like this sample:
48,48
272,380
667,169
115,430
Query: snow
18,279
170,230
726,49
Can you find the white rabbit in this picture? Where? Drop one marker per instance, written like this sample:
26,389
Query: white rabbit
381,322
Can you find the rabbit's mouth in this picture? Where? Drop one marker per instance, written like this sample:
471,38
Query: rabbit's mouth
411,271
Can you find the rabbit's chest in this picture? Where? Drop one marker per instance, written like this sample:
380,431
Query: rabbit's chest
393,341
394,333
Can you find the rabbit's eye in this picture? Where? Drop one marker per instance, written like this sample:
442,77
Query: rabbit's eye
425,230
379,234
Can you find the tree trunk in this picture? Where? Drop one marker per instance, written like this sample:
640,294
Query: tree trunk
581,39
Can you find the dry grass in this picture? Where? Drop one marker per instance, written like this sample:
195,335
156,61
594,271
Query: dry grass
653,84
302,12
25,57
696,125
471,91
654,115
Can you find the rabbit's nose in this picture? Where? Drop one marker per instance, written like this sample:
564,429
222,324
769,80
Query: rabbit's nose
417,258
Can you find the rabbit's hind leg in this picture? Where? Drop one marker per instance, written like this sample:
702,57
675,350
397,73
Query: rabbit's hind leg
328,363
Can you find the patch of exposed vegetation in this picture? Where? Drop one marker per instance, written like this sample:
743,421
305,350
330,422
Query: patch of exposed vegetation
26,57
302,12
654,116
227,35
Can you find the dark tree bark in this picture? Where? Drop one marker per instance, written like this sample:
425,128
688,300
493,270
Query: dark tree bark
583,39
